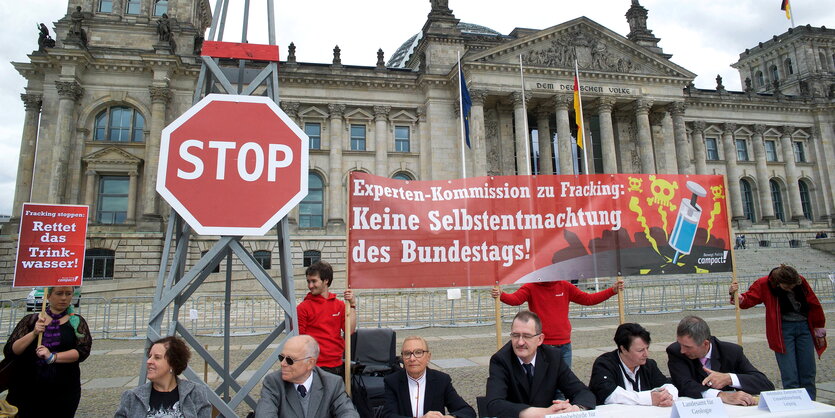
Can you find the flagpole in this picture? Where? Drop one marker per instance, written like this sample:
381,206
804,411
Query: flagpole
582,127
461,112
525,109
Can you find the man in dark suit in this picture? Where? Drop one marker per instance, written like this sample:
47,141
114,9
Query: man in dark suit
627,375
302,390
701,366
525,376
417,391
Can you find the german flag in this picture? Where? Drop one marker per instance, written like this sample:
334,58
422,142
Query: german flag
785,6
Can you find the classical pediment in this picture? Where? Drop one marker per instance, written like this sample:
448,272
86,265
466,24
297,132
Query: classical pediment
596,48
112,158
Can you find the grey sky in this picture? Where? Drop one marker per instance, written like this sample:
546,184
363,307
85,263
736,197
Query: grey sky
704,36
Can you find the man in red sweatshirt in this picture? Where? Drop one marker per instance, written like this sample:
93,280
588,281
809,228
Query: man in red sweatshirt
550,301
322,316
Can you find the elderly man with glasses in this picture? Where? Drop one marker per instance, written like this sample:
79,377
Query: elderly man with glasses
525,376
418,391
300,389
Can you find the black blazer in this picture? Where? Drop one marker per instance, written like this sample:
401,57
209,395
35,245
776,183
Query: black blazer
606,376
440,396
508,391
688,374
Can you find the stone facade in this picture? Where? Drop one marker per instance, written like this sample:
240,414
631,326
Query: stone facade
642,114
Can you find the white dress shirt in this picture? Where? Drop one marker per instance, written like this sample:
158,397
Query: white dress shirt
417,393
628,396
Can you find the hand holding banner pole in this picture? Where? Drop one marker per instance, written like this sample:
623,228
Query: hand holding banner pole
496,292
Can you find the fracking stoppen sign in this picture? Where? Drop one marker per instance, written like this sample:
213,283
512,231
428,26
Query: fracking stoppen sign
50,248
515,229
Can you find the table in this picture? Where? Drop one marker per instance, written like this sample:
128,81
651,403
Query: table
639,411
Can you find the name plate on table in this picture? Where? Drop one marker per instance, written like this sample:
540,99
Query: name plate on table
785,400
691,408
578,414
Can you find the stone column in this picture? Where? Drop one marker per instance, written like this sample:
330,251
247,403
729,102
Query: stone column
425,145
292,110
477,138
381,115
792,174
732,170
90,194
699,152
335,211
683,150
520,134
68,92
26,162
131,215
546,152
160,96
766,203
642,107
607,134
660,143
826,158
564,142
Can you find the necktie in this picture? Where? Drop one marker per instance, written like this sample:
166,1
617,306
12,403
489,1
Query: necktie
302,390
705,361
528,372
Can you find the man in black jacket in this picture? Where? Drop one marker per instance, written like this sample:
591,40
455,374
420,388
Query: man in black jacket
525,376
417,391
701,366
627,375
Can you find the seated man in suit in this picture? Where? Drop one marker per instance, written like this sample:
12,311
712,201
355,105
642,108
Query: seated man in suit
627,375
300,389
701,366
418,391
526,375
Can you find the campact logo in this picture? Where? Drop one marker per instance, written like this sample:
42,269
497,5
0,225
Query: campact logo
713,258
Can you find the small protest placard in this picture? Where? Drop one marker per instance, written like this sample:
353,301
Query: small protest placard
50,247
785,400
691,408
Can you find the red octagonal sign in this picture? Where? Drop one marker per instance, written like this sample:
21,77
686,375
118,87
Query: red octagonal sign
233,165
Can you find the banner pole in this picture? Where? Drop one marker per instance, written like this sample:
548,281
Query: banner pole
348,286
621,311
43,312
733,266
497,307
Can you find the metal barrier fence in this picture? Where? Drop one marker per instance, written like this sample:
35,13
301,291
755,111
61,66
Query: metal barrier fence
126,317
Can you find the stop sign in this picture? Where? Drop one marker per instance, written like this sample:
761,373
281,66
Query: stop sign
233,165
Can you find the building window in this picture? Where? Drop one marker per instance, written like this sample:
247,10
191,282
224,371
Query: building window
774,74
264,258
113,202
822,56
357,137
805,201
402,175
741,150
771,151
789,67
314,132
747,200
160,7
106,6
132,7
759,79
310,257
217,267
401,138
799,152
312,208
711,150
119,124
777,200
98,264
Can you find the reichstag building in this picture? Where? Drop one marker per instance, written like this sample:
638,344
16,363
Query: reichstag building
117,72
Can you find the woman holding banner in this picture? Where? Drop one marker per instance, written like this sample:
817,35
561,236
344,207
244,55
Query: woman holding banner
47,375
794,323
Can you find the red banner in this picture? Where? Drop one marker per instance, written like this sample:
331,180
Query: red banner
517,229
50,247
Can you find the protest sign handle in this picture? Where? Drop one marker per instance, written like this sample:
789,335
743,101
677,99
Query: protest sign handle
733,268
348,348
621,313
497,305
43,313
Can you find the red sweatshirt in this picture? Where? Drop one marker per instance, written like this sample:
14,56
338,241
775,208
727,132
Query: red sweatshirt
550,300
324,320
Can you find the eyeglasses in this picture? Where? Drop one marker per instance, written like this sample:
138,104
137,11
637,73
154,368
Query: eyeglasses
290,361
528,337
417,353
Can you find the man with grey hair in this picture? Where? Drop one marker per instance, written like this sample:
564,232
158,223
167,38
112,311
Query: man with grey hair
300,389
701,366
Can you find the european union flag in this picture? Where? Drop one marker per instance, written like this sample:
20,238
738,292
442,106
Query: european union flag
466,104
